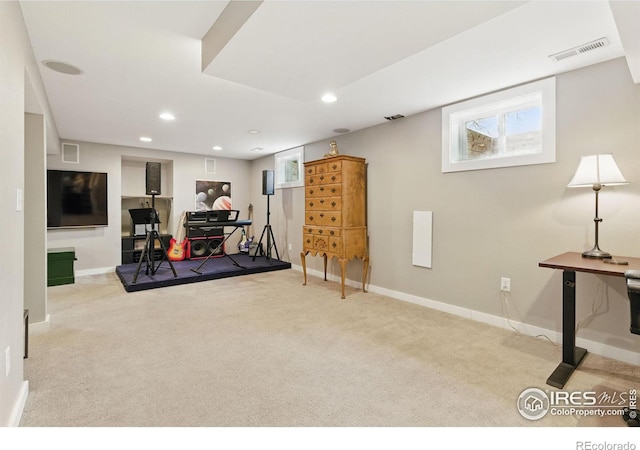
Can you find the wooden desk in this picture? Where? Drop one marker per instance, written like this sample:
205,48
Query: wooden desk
570,263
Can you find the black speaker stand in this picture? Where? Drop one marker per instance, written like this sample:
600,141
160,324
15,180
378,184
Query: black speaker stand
271,240
148,254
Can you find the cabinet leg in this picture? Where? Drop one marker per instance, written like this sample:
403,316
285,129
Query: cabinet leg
365,268
343,267
304,267
325,266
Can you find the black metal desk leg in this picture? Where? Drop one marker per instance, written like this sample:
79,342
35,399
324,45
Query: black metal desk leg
571,355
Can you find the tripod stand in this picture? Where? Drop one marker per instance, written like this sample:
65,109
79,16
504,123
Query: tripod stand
271,240
148,254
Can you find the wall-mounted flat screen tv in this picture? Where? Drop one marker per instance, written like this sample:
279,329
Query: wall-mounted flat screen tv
76,199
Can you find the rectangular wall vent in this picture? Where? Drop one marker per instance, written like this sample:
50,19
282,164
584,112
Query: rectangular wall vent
584,48
210,166
70,153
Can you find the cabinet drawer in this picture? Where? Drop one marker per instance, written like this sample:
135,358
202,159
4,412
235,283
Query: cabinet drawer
324,204
307,242
323,218
323,178
329,190
334,166
323,167
320,243
322,231
335,245
316,168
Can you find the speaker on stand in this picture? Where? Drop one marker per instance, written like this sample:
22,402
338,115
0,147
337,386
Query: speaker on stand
153,178
268,189
268,184
148,256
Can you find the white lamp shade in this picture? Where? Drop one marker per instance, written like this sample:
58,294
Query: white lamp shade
597,169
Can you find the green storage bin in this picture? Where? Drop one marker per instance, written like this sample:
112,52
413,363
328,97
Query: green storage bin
60,266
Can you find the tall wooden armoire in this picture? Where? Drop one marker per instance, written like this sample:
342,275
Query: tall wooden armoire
335,213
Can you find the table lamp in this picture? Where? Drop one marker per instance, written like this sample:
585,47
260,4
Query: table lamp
596,171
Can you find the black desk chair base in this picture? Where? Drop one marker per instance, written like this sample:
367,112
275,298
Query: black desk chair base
633,288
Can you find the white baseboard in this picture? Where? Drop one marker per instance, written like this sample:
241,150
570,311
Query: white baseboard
98,271
40,327
18,407
595,347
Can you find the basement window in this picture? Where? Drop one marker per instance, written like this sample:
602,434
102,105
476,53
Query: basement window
289,168
514,127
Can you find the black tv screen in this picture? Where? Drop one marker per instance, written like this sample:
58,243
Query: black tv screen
76,199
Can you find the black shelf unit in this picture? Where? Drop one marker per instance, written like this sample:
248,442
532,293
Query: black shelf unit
132,247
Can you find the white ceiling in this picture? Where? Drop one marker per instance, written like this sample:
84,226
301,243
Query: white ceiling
268,71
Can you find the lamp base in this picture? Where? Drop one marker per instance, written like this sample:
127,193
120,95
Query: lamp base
596,253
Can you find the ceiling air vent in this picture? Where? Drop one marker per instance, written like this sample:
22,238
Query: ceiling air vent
584,48
397,116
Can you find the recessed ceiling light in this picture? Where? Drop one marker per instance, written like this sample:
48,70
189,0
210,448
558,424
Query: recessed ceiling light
329,98
253,131
145,139
341,130
167,116
217,148
62,67
257,149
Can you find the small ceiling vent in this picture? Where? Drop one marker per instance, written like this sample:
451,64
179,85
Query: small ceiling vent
397,116
584,48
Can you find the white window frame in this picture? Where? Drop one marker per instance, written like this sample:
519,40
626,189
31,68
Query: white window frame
454,115
283,177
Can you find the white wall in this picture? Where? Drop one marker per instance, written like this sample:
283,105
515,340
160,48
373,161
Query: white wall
495,223
19,77
99,249
35,220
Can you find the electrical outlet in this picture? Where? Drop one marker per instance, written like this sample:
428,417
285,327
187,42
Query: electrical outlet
7,364
505,284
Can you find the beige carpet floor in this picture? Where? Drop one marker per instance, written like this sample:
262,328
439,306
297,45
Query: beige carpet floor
264,351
